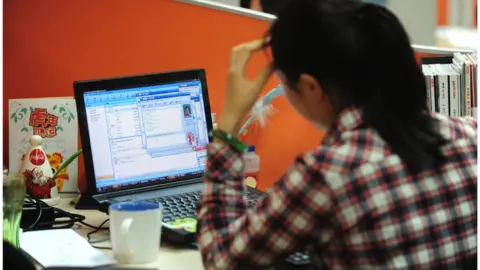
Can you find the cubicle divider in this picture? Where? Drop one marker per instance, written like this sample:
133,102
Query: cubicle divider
49,44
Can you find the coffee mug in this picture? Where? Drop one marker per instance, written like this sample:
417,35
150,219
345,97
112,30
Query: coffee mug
135,231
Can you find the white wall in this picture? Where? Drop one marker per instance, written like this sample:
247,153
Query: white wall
228,2
419,17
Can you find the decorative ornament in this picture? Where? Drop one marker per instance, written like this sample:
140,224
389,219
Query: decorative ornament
262,109
38,173
42,179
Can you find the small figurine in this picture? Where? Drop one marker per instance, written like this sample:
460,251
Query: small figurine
38,173
38,177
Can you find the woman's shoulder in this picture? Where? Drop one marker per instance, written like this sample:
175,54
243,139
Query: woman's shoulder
349,151
457,127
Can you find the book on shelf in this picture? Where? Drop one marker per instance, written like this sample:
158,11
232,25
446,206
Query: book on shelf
451,83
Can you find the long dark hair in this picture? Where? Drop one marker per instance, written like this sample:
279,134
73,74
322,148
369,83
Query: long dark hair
361,56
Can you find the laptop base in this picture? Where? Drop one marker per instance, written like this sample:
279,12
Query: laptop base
87,202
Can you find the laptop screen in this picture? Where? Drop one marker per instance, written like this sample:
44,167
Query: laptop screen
146,134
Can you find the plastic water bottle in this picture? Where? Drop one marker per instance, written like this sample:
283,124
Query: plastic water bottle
252,167
214,121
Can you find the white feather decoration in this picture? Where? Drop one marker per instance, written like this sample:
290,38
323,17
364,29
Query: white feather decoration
262,109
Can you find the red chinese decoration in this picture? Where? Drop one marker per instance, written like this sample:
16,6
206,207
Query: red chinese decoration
44,124
37,157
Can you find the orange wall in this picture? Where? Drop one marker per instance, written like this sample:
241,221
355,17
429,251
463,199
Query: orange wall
442,12
50,43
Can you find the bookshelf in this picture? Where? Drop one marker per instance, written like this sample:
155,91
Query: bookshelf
451,82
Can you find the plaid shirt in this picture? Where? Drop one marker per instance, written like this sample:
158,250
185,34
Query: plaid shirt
351,202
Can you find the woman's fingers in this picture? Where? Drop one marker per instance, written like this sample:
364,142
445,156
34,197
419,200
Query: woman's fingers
249,46
242,53
254,45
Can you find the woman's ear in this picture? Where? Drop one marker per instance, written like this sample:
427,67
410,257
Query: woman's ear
309,87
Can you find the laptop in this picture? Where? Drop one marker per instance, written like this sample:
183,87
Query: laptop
144,138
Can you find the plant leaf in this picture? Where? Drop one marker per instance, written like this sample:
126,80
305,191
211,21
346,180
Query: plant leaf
31,108
24,110
15,120
54,107
59,128
13,115
24,129
62,109
72,115
69,119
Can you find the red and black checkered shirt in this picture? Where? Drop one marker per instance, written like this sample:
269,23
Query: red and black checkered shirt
351,202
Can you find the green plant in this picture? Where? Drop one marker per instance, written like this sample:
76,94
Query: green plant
67,162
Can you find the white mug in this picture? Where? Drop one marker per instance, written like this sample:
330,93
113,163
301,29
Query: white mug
135,231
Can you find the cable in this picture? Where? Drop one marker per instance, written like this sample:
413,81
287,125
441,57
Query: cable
97,229
89,234
32,202
38,205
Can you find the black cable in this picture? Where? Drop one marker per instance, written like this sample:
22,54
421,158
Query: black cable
32,201
95,231
79,219
98,229
38,204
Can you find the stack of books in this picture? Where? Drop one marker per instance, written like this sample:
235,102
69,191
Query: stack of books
451,84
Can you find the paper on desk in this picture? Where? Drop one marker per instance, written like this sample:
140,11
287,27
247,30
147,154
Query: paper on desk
62,248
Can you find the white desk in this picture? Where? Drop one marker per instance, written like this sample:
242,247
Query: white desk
168,259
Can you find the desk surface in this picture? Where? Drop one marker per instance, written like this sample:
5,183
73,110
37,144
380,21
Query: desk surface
168,258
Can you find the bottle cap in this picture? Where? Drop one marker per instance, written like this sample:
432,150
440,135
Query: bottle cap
251,148
251,182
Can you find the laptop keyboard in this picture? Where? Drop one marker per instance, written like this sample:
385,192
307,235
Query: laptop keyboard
184,206
179,206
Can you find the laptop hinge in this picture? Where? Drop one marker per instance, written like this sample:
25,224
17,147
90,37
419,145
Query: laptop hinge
105,197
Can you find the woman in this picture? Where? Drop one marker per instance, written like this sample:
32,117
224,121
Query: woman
390,187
